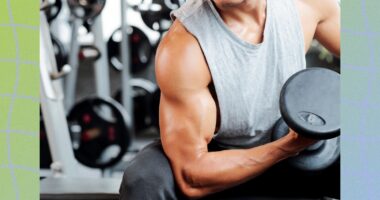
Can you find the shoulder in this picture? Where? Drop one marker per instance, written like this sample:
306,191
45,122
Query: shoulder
324,9
180,63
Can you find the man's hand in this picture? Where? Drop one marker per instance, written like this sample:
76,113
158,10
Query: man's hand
297,143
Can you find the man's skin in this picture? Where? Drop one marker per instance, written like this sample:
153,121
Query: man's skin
189,114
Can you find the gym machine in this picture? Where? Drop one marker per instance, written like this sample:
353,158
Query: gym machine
70,179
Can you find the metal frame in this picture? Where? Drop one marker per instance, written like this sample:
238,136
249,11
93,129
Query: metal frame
64,162
101,68
126,89
54,104
71,79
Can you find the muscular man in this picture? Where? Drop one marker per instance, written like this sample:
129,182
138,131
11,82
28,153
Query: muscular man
220,68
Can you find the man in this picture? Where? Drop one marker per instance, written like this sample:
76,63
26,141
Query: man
220,69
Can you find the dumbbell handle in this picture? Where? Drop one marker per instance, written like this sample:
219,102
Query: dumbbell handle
281,129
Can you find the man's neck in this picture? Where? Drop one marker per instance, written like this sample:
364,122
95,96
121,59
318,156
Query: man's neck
243,12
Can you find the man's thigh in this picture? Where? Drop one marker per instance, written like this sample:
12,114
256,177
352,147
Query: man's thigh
151,169
149,176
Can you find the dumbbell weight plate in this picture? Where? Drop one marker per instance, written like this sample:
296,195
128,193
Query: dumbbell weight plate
310,102
86,9
140,53
53,9
142,95
99,130
156,15
317,157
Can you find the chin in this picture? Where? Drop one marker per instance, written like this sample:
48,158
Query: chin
228,3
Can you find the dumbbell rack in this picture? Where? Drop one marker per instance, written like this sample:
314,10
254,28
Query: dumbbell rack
51,97
55,107
102,79
126,97
102,82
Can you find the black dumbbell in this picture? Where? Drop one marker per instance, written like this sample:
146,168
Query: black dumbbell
51,8
100,132
156,13
87,10
144,105
141,49
309,105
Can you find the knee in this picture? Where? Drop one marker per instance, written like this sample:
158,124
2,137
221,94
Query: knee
148,176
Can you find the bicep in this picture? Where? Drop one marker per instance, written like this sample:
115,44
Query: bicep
328,30
187,124
187,109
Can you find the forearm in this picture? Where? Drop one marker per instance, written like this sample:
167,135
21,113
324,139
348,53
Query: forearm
217,171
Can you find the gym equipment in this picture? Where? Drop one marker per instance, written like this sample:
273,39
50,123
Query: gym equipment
86,10
89,52
64,160
141,49
51,9
126,89
99,132
316,157
60,52
53,111
143,91
310,102
156,13
309,105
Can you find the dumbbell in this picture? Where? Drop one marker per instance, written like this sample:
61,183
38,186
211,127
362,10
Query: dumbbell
52,9
144,106
309,105
141,49
156,13
86,10
99,131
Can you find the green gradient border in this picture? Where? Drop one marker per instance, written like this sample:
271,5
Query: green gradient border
360,99
19,99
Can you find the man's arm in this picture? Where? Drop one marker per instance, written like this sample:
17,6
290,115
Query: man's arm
188,115
328,28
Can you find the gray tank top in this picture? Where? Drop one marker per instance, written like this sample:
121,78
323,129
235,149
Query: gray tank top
247,77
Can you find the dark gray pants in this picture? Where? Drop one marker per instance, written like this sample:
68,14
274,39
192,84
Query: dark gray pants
149,177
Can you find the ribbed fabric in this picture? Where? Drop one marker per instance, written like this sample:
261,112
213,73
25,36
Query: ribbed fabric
247,77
